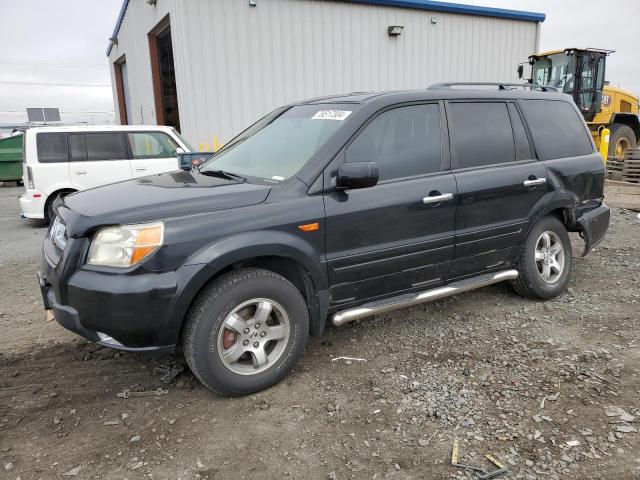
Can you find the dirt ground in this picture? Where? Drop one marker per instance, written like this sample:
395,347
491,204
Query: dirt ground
551,389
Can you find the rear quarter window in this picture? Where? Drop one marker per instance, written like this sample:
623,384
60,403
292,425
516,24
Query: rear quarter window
557,129
105,146
52,147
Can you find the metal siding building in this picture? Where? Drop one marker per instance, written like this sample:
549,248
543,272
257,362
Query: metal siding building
235,62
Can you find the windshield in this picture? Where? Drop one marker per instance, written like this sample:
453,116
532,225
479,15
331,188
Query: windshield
183,140
557,70
279,145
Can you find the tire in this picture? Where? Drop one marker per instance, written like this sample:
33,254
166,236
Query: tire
621,138
208,336
531,281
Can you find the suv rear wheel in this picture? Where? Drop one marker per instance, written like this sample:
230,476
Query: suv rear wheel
246,331
545,262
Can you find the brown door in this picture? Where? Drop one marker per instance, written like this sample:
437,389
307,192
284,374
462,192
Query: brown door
164,76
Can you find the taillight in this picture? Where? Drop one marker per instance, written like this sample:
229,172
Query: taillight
30,178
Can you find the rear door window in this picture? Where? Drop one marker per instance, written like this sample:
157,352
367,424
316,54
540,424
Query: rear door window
52,147
557,129
151,145
403,142
482,133
105,146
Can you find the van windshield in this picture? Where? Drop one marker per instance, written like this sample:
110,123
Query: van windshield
183,140
278,146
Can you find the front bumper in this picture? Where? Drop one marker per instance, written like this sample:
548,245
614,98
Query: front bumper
69,318
139,310
30,206
593,225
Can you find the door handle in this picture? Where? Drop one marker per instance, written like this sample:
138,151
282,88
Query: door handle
534,182
443,197
141,169
81,172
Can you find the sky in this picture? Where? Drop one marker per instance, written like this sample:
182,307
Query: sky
54,51
588,23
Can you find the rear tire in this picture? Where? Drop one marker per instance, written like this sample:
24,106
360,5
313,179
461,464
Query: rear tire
545,263
245,331
622,138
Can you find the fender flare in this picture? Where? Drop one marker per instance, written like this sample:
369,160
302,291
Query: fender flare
244,246
219,255
627,119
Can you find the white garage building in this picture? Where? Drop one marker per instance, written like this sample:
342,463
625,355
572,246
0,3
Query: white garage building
212,67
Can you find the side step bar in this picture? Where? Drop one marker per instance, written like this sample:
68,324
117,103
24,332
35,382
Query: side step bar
407,300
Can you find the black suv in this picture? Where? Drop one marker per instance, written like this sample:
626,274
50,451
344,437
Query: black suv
339,207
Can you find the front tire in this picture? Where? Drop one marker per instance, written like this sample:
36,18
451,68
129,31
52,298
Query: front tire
245,332
545,263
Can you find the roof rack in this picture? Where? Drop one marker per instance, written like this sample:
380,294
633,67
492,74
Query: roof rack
499,85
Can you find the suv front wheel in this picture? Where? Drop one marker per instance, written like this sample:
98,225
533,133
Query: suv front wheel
545,262
245,331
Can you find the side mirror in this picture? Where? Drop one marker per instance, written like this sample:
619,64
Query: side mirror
520,71
357,175
179,150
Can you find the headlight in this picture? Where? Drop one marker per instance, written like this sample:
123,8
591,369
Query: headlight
126,245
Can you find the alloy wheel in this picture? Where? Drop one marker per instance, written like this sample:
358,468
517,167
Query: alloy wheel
550,256
253,336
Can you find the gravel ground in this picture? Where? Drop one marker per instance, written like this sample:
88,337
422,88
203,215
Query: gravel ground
551,389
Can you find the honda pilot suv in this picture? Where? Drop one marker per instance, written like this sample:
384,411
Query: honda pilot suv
334,208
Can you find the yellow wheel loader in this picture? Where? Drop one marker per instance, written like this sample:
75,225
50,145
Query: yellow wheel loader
580,73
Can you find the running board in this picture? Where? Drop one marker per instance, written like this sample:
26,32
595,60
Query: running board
407,300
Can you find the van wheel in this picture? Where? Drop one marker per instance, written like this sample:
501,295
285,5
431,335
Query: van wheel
245,331
545,262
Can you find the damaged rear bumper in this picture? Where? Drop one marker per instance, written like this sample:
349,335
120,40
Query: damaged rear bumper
593,225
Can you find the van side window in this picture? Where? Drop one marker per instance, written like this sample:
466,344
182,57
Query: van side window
77,148
558,131
523,148
482,133
105,146
52,147
151,145
404,142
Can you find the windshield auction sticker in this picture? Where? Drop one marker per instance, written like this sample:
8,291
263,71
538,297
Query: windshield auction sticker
339,115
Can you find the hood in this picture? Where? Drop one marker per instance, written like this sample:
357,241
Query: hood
156,197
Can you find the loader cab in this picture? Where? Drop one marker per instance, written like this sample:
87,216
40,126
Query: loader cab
576,72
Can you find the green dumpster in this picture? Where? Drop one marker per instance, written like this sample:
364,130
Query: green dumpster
11,158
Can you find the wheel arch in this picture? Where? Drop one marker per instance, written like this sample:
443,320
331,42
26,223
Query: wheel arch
569,215
53,195
293,263
629,120
564,212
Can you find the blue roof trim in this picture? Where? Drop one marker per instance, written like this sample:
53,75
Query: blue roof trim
418,4
459,8
116,29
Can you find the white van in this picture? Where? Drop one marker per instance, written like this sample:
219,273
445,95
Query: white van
63,160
